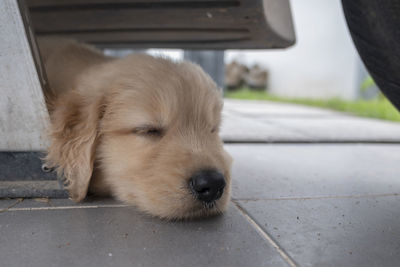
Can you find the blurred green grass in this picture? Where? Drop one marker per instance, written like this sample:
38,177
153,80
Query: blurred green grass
379,108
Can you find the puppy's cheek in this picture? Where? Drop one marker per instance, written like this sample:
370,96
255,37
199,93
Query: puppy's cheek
165,200
167,210
226,197
136,182
227,163
227,158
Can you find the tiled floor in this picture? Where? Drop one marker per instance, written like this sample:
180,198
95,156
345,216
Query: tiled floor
325,205
101,234
322,204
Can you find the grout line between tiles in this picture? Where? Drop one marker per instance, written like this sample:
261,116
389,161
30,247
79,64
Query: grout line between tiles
315,141
319,197
69,207
265,235
19,200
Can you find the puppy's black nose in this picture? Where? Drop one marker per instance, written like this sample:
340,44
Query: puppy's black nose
207,185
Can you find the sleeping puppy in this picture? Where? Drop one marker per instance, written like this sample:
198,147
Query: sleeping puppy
140,128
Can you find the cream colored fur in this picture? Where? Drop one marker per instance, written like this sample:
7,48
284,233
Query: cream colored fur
136,128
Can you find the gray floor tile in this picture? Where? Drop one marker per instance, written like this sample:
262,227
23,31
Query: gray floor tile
298,171
325,205
125,237
333,232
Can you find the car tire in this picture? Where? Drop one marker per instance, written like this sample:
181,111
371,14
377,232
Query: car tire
375,28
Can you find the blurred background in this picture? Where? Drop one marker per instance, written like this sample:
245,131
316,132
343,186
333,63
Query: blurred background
322,69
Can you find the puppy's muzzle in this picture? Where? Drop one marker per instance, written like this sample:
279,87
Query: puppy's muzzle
207,185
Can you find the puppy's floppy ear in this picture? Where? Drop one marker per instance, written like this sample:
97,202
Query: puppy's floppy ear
74,136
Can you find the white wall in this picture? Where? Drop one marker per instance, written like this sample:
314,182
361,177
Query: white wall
323,63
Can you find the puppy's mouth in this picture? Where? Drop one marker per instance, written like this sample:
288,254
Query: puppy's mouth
202,204
209,205
199,199
205,209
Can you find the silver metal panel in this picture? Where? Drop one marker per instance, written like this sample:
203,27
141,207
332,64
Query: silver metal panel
191,24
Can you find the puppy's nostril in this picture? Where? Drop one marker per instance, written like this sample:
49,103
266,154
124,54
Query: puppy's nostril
207,185
204,191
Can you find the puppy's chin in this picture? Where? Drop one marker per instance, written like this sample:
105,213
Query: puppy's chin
202,211
198,210
187,208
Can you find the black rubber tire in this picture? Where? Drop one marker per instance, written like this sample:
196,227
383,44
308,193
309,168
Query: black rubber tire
375,28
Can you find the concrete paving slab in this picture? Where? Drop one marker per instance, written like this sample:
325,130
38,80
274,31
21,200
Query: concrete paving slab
319,170
236,128
275,109
341,128
277,122
122,236
333,232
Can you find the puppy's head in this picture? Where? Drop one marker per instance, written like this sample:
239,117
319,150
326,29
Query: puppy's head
153,133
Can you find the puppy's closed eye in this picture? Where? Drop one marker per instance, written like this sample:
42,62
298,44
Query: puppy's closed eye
149,131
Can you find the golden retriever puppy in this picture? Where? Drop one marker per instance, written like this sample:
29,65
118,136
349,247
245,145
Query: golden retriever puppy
140,128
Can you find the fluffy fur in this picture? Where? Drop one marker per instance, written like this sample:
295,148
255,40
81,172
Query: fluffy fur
136,128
